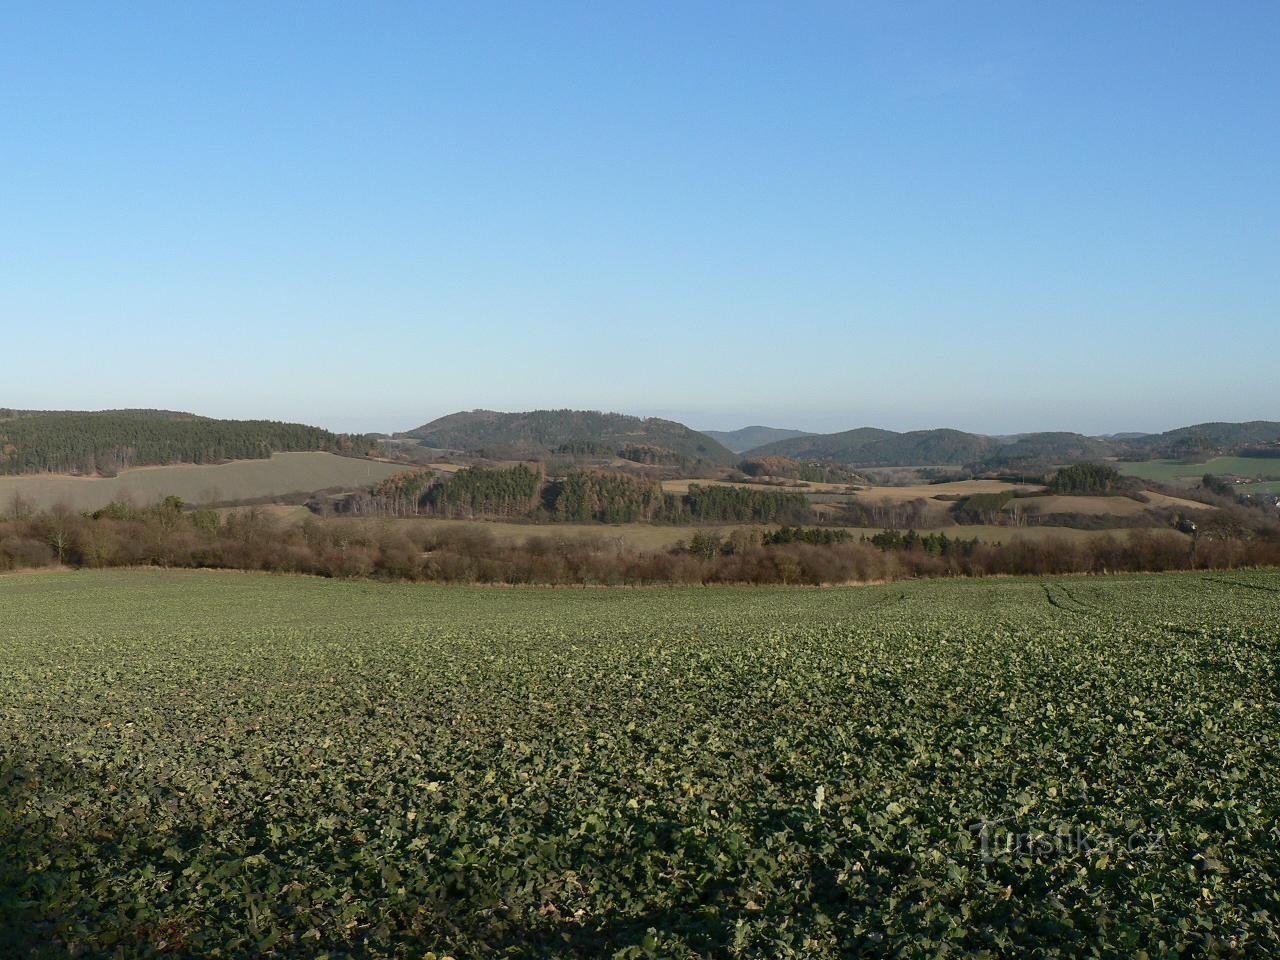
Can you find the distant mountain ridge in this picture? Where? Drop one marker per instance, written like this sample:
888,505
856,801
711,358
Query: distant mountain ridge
748,438
541,433
873,447
537,434
107,441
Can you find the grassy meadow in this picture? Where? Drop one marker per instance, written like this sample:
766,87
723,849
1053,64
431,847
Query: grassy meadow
201,764
1169,471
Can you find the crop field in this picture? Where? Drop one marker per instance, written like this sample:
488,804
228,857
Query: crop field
238,765
282,474
1102,506
1167,471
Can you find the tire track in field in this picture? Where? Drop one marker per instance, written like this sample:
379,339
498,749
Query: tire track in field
1242,585
1070,604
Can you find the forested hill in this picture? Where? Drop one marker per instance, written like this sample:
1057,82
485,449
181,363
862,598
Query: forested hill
108,441
1210,439
871,447
748,438
541,433
1052,448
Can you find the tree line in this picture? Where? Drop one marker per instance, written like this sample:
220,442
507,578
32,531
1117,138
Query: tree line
1089,479
580,496
167,535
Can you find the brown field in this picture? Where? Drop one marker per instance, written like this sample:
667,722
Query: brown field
1100,506
929,491
794,486
962,488
285,473
1178,503
288,513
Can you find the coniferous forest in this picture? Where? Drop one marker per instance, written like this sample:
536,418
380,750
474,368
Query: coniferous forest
579,496
106,442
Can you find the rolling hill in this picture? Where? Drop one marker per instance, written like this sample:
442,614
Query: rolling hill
872,447
105,442
748,438
537,434
1204,439
1050,448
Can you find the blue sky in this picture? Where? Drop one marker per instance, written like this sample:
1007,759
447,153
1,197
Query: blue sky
998,217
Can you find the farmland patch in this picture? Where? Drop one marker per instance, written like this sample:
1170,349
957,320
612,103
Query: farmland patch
263,765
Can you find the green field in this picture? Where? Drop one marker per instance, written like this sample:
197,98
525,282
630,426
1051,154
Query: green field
237,765
1269,486
282,474
1167,471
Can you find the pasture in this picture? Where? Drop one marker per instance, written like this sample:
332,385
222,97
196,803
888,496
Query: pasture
282,474
1169,471
242,765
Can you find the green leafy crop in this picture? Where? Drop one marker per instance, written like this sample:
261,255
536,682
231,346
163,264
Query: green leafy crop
230,765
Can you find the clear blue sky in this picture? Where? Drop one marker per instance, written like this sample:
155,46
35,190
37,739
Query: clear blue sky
998,217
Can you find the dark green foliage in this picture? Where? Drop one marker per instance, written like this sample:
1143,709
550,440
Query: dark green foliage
871,447
1217,485
713,504
938,544
540,433
401,494
583,448
112,440
981,507
485,492
1037,451
226,766
1204,440
607,498
652,456
521,492
618,498
706,545
1088,479
814,535
811,471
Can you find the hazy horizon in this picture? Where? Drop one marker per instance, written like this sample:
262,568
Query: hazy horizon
818,422
993,217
